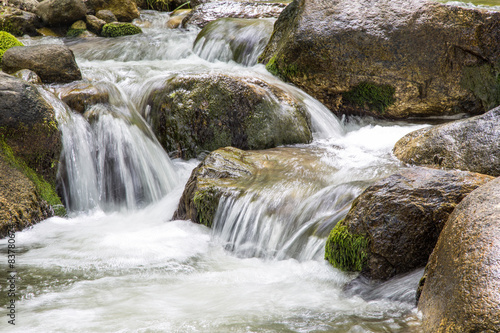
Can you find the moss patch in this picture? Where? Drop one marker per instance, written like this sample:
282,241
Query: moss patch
120,29
6,42
277,68
75,32
376,97
484,82
206,202
47,192
346,251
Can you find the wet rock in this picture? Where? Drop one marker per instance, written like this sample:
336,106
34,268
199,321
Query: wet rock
61,12
176,18
7,41
20,202
461,284
28,126
470,144
191,114
81,95
106,15
77,29
117,29
211,11
19,22
124,10
95,24
393,225
28,76
27,5
389,58
53,63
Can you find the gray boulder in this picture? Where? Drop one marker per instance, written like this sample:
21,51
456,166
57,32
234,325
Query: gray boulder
469,144
461,284
53,63
106,15
61,12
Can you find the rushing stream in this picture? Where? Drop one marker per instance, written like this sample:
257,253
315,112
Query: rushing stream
119,264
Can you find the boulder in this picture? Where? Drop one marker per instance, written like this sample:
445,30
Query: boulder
7,41
106,15
61,12
124,10
95,24
211,11
461,284
389,58
195,113
117,29
20,202
469,144
27,5
81,95
53,63
29,127
393,225
19,22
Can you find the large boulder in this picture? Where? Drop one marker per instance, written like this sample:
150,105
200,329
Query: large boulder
124,10
461,284
61,12
53,63
394,224
27,5
19,22
211,11
389,58
28,126
469,144
194,113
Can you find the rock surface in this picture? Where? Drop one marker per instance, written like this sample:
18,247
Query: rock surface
81,95
389,58
27,5
211,11
53,63
28,126
124,10
106,15
470,144
61,12
461,291
191,114
393,225
19,22
95,24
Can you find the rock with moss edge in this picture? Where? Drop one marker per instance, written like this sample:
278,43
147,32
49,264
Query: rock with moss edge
6,42
389,58
393,225
19,22
124,10
117,29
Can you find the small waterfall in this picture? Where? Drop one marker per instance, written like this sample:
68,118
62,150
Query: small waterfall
240,40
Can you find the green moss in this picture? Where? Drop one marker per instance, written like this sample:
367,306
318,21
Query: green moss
346,251
484,82
206,202
120,29
376,97
47,192
6,42
283,71
75,32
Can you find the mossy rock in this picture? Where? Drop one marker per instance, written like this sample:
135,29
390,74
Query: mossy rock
117,29
374,96
6,42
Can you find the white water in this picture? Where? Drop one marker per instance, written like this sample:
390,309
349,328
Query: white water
118,264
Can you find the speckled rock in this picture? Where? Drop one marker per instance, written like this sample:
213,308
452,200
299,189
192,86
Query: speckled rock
389,58
124,10
192,114
61,12
394,224
27,5
19,22
106,15
94,24
461,284
470,144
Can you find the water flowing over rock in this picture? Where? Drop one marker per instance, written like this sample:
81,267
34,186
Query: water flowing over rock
81,95
28,125
124,10
461,284
469,144
61,12
211,11
389,58
19,22
191,114
53,63
394,224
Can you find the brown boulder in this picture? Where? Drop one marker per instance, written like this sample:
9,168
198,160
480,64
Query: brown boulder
124,10
61,12
19,22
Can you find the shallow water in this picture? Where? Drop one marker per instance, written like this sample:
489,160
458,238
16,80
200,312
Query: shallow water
119,264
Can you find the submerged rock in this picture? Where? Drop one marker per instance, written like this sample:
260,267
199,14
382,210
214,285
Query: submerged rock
389,58
53,63
469,144
394,224
81,95
19,22
61,12
192,114
461,284
124,10
211,11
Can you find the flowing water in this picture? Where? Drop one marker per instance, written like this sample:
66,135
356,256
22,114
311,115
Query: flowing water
118,263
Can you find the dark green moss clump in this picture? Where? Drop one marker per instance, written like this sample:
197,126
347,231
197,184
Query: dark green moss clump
116,29
75,32
376,97
285,72
6,42
206,202
346,251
